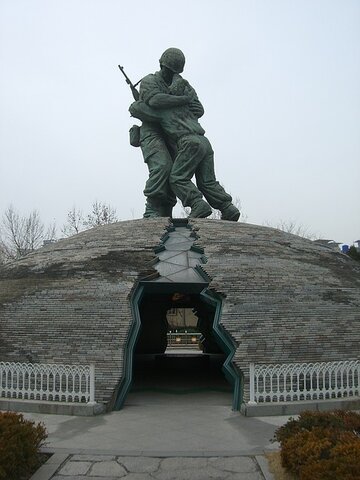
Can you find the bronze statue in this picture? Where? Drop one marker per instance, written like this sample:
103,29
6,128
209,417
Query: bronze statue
174,145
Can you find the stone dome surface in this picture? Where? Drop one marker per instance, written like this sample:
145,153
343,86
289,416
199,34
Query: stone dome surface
284,298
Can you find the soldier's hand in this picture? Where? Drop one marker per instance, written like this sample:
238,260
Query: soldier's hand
196,108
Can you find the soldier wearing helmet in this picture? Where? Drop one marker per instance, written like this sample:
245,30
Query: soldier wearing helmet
157,150
168,99
173,59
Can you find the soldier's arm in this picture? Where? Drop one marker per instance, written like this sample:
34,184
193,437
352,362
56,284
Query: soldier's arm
155,98
143,112
196,108
164,100
195,105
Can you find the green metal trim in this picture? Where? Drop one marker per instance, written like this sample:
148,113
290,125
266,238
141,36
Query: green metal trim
196,248
228,346
159,248
129,347
180,222
169,287
202,272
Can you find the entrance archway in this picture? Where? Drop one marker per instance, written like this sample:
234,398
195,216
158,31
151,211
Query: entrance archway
149,338
180,281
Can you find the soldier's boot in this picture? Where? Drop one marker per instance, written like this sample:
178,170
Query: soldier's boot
152,209
200,209
166,210
156,208
230,212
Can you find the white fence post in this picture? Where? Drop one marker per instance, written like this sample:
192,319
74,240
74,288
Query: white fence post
252,384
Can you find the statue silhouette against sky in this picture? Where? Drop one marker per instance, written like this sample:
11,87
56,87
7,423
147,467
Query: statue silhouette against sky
174,145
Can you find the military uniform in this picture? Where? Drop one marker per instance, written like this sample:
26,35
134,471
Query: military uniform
160,199
194,155
170,101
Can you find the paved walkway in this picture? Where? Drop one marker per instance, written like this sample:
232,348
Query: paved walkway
161,437
106,467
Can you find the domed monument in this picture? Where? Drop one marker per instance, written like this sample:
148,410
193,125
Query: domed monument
268,296
283,311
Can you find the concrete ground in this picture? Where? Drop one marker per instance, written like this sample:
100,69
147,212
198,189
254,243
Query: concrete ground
160,436
183,424
177,423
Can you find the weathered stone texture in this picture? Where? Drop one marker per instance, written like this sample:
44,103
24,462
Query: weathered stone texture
69,302
287,298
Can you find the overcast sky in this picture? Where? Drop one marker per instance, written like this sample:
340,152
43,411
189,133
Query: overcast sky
279,81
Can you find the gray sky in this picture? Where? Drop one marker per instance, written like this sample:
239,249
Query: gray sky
279,81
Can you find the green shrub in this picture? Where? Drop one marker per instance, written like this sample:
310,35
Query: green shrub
20,441
322,446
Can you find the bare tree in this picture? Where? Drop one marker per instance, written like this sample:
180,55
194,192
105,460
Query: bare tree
74,222
2,254
290,226
101,214
21,234
34,231
51,234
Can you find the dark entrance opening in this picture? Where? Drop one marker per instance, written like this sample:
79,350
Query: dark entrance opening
177,352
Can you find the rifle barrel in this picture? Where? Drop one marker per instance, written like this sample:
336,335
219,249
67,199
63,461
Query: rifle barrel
129,82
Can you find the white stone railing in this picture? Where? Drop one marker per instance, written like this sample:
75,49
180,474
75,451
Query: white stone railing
50,382
304,381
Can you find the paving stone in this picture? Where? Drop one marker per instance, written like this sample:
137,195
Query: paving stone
234,464
92,458
140,464
75,468
107,468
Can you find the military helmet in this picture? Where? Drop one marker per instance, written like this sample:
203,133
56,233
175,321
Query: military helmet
173,59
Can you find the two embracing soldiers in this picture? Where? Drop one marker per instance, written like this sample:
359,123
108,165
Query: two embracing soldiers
174,146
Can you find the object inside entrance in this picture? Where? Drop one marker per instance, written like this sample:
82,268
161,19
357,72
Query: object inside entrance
176,320
176,351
